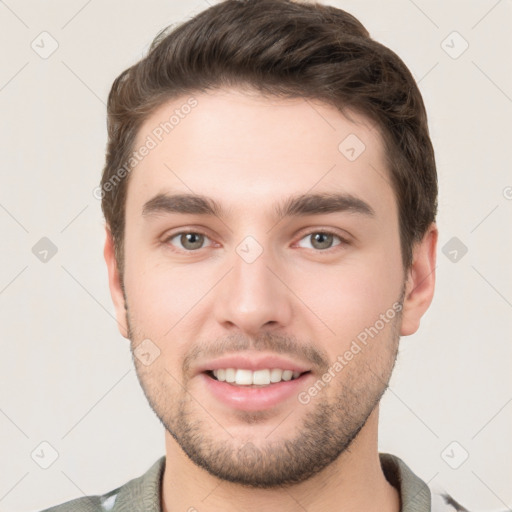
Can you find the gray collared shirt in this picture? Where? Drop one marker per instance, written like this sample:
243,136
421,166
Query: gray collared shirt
143,494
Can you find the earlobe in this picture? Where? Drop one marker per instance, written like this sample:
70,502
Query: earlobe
420,282
114,282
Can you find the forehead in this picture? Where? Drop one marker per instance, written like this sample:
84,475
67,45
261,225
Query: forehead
241,147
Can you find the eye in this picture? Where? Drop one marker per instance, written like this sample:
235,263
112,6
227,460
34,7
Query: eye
322,240
189,240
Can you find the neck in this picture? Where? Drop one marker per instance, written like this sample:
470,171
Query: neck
355,481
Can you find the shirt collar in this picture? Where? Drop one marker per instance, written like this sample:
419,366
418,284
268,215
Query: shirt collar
145,492
414,493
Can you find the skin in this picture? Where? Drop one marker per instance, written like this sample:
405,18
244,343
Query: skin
249,152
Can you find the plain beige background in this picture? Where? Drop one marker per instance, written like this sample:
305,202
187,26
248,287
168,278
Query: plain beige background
66,374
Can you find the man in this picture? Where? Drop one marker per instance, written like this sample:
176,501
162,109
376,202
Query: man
270,195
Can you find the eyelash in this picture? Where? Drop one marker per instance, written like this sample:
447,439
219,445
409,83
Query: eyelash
343,241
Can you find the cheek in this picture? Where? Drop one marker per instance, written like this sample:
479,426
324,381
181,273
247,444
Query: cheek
352,295
161,296
345,296
157,300
158,304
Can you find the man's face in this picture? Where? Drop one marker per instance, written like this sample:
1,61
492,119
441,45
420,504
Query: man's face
248,288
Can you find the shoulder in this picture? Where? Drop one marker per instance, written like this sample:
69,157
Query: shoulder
141,493
415,494
102,503
443,502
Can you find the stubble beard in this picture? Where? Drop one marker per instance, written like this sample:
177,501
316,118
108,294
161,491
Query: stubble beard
327,426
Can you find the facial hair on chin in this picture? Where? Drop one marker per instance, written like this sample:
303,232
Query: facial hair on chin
325,430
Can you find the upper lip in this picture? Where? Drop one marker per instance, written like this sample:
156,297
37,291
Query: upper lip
253,362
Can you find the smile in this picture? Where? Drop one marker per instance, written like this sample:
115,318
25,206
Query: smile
263,377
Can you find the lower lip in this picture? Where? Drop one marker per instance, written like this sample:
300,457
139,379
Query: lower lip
248,398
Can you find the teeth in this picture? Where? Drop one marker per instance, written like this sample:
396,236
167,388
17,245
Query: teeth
275,375
287,375
261,377
242,377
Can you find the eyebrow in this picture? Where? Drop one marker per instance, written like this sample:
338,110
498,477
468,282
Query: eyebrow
295,206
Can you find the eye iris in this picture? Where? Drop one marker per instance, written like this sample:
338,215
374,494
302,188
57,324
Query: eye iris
322,240
195,240
192,240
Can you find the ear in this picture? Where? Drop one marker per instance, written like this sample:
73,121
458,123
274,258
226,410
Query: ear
114,283
420,282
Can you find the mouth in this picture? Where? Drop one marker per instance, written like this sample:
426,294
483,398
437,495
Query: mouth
254,379
254,390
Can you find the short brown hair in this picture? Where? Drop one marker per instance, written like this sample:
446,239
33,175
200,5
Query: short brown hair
289,49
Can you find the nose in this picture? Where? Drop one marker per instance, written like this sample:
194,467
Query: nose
253,297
